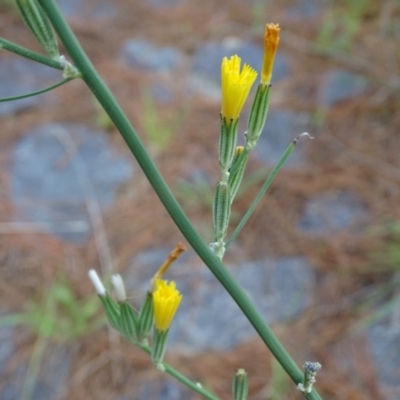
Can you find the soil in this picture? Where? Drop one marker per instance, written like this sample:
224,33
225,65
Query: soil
356,148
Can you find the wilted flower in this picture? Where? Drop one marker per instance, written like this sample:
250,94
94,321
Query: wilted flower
271,42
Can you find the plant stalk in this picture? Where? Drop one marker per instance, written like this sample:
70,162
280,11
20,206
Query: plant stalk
112,108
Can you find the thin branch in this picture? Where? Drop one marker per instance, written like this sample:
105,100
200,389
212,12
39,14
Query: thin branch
24,96
22,51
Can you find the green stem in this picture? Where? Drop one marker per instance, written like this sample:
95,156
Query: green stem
22,51
181,378
23,96
112,108
261,193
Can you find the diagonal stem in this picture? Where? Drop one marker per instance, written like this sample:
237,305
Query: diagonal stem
111,106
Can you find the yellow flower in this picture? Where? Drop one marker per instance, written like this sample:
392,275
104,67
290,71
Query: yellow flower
271,42
236,86
166,299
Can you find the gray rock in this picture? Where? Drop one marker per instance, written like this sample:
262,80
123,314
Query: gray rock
7,347
384,340
165,389
206,64
51,382
21,76
161,93
304,9
143,55
208,319
333,211
163,3
340,85
47,185
88,10
281,128
54,373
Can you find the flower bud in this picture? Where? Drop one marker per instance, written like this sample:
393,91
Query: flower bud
146,317
237,171
240,385
221,211
39,24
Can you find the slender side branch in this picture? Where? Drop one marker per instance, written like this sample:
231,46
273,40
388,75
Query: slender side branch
23,96
265,187
22,51
111,106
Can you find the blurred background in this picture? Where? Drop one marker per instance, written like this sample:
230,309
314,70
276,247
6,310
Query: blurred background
320,256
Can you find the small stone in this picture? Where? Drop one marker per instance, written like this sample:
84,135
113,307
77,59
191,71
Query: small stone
331,212
143,55
340,85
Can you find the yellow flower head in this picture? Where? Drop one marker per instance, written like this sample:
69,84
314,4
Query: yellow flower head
271,42
166,299
236,86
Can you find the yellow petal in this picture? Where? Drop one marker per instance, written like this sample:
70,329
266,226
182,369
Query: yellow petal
235,85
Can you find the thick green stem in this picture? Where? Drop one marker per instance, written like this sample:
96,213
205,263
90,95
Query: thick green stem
110,105
22,51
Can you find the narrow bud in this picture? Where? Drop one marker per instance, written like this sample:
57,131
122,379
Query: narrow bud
258,115
39,24
227,145
98,285
271,42
221,210
240,385
237,171
310,372
119,287
146,317
112,310
128,321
